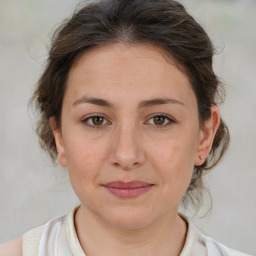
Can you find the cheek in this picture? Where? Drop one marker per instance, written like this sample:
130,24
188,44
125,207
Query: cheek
174,156
84,165
84,159
174,162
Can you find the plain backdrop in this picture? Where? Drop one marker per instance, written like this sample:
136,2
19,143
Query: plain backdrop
32,191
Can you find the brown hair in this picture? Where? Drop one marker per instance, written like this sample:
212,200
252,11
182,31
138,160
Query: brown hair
164,23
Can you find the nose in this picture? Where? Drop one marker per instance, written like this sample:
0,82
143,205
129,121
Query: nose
127,148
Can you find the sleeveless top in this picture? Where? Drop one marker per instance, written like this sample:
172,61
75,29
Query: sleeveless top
58,238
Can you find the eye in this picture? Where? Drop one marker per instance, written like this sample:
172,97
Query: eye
161,120
95,121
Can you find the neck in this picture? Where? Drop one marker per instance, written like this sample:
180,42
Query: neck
165,237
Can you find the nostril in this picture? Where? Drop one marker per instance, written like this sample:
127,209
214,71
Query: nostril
126,167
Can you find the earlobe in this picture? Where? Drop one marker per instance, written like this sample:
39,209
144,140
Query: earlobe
207,135
59,142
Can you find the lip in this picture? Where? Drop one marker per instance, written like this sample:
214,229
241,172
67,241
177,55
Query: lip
130,184
128,189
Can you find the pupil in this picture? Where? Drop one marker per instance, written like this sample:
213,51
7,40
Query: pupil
159,120
97,120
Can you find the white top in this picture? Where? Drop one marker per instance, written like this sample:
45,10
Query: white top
58,238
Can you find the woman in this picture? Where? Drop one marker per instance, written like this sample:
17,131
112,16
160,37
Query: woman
128,104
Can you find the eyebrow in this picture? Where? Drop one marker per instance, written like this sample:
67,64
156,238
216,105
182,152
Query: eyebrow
142,104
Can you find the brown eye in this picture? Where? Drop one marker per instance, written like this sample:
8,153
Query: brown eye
95,121
161,120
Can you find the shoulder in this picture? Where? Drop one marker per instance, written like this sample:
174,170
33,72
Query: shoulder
12,248
31,240
38,239
233,252
216,248
22,245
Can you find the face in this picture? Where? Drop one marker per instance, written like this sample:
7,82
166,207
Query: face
129,114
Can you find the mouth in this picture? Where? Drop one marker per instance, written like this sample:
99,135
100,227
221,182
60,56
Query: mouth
130,189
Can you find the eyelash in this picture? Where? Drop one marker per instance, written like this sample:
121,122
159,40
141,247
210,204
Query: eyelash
170,121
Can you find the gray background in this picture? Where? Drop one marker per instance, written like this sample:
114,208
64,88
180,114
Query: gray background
32,191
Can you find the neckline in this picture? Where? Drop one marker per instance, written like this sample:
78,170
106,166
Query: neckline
76,248
190,237
72,238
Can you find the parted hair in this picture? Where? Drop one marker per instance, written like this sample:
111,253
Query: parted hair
163,23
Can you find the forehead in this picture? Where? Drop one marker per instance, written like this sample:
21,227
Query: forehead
131,69
120,52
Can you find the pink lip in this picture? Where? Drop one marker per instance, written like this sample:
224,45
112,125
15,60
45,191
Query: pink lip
128,189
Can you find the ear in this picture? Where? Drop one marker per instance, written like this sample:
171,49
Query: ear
59,142
207,135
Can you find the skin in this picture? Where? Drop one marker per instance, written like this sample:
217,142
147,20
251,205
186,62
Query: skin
129,144
11,248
